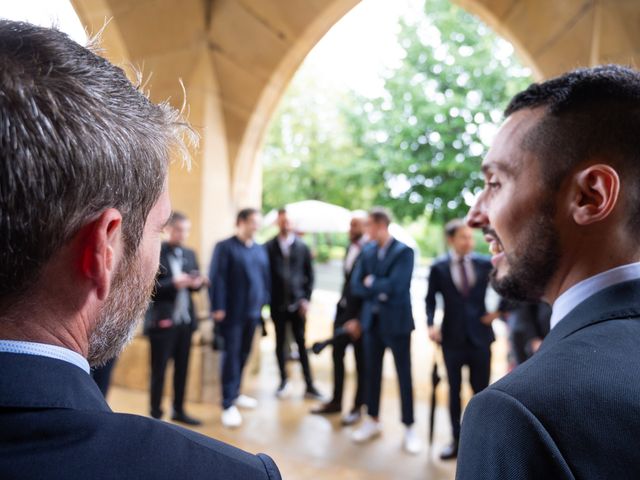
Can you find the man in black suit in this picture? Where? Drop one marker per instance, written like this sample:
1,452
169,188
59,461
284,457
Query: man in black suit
461,278
291,286
382,278
172,319
84,157
560,210
347,318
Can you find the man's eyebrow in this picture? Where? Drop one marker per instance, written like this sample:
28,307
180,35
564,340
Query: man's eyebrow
497,165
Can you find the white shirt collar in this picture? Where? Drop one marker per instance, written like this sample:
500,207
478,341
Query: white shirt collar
45,350
455,258
589,287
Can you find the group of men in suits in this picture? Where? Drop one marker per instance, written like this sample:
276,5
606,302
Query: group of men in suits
559,208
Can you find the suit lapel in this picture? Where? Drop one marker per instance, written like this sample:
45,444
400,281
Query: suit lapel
618,301
382,266
446,271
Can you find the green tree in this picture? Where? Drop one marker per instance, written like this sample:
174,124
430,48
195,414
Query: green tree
417,147
431,127
310,152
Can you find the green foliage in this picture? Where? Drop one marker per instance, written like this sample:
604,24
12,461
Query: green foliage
415,149
431,128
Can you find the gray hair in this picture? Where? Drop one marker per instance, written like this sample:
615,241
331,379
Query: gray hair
76,138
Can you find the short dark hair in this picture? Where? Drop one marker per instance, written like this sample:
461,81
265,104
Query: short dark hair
452,226
244,214
590,113
76,138
176,217
282,211
380,215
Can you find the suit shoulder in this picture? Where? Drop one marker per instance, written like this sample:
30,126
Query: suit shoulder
189,453
440,261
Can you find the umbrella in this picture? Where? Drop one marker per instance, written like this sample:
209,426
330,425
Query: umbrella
435,380
313,216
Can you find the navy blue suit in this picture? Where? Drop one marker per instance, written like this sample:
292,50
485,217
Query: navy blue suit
465,339
55,424
387,319
240,286
570,411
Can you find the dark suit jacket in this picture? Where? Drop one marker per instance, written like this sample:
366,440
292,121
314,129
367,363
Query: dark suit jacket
55,424
390,292
461,321
570,411
349,305
239,280
290,286
164,296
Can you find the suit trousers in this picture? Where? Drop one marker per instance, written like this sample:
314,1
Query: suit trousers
298,326
171,343
375,344
339,349
238,339
479,361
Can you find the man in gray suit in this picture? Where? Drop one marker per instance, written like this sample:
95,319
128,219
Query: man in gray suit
561,210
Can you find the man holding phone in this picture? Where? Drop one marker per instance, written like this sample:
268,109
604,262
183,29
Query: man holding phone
171,319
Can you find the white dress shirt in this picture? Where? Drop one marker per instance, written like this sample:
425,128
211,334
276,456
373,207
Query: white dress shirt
285,243
45,350
589,287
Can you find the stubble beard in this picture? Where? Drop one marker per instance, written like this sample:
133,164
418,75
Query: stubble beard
534,261
126,305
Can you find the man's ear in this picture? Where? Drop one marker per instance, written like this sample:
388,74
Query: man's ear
596,194
101,245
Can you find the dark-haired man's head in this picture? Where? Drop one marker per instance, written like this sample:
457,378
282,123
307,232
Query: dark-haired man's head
562,182
178,228
459,237
83,165
247,223
284,222
357,226
378,223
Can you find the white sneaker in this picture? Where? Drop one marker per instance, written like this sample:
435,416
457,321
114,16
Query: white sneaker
411,443
231,417
369,430
244,401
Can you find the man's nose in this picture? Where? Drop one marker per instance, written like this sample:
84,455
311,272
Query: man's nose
477,217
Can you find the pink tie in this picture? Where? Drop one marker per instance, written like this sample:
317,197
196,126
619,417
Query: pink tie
464,279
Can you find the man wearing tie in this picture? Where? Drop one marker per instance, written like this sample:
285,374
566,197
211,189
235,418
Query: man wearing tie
461,277
382,278
171,318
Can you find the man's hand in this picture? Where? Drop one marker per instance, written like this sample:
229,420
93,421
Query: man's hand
489,317
353,328
183,280
435,335
219,315
535,344
368,280
303,308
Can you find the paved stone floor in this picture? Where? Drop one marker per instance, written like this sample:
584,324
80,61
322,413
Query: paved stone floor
307,446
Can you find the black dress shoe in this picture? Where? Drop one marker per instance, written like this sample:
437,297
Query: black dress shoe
327,408
157,414
450,452
186,419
